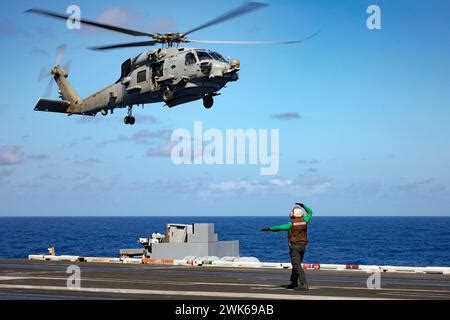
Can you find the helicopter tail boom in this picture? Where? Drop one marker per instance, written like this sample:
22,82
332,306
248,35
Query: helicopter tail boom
70,103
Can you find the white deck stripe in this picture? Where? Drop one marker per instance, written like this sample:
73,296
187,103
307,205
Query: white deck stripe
7,278
383,289
244,295
253,285
417,295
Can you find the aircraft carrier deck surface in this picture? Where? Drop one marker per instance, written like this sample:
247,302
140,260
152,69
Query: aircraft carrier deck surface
46,280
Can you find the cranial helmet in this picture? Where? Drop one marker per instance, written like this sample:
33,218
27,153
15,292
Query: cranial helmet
297,212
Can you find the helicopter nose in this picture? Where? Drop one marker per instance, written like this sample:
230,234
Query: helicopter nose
232,74
218,69
225,71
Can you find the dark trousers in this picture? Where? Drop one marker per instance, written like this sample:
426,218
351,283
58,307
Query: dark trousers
297,251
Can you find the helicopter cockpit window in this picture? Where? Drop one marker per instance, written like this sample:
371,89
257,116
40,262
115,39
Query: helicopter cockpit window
190,58
202,55
142,76
126,68
217,56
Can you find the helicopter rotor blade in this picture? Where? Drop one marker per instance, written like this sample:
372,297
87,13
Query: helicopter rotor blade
126,45
45,72
89,22
253,42
67,66
48,90
239,11
60,54
243,42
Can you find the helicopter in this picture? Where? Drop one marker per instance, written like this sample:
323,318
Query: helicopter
172,74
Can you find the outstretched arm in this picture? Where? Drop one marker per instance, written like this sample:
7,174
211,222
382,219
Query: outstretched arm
283,227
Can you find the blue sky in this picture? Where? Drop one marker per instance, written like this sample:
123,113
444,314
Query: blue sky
371,136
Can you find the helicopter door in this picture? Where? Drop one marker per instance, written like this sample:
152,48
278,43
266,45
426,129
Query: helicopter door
190,63
157,72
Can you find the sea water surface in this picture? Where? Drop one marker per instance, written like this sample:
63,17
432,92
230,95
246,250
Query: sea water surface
402,241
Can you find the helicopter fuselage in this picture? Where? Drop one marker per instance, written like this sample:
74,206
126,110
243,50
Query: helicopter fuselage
171,75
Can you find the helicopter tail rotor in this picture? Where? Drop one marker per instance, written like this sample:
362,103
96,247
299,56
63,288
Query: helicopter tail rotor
50,72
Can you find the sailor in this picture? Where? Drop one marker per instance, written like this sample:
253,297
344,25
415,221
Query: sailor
297,240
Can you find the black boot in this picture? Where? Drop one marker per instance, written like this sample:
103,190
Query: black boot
292,285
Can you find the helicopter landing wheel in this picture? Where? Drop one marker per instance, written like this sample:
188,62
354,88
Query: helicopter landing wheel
208,101
129,120
167,95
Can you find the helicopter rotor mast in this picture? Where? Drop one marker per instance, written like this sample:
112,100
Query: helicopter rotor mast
169,39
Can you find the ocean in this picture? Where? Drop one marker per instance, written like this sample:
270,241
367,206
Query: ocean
400,241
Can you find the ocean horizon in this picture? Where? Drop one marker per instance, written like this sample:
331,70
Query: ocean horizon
221,216
364,240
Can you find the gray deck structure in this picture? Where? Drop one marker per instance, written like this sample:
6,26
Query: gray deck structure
183,240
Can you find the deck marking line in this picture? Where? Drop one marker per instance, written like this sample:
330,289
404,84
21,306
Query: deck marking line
244,295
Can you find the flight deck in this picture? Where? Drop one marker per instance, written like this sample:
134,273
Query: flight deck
47,280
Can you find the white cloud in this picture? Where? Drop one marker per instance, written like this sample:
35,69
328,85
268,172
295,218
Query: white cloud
10,155
162,150
147,119
147,136
118,16
300,186
5,173
162,25
286,116
124,17
88,120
